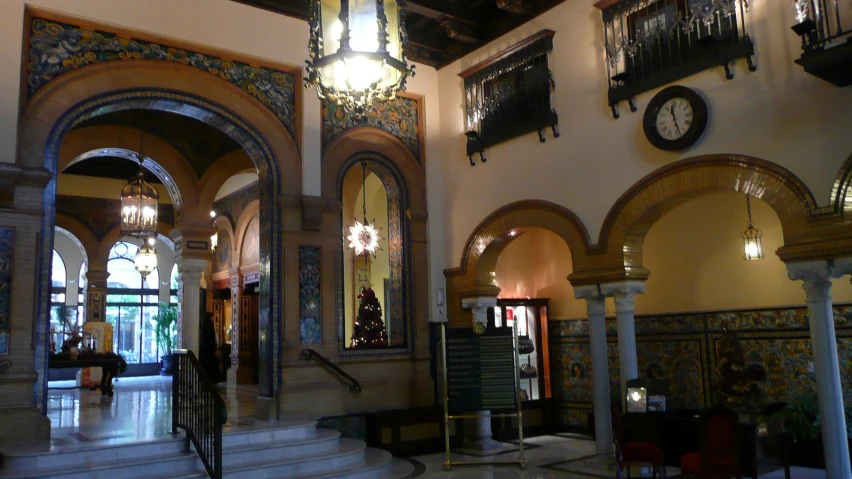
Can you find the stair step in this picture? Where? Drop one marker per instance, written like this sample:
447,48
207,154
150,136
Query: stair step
283,430
322,441
138,468
349,452
376,465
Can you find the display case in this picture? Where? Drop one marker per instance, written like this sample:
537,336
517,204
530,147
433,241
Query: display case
533,348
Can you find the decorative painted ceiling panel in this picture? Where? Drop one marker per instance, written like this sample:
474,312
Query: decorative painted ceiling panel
57,48
442,31
233,205
400,118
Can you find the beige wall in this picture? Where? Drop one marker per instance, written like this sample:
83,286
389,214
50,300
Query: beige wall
778,113
694,254
695,257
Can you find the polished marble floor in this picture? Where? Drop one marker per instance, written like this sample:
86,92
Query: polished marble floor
139,411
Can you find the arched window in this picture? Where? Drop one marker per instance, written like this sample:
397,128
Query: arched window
374,184
132,306
62,318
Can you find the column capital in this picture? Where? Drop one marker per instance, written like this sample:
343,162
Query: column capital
591,291
811,271
191,265
623,288
97,279
479,306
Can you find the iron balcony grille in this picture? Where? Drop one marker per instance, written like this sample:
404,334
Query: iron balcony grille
651,43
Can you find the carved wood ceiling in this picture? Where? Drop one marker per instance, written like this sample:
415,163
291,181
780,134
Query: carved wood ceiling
442,31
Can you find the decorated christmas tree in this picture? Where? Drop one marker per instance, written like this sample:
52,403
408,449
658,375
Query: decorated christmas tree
739,387
369,330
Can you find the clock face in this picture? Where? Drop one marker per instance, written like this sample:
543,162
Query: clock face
674,118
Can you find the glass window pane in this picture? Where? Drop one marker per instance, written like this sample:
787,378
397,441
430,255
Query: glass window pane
58,275
149,337
112,313
128,338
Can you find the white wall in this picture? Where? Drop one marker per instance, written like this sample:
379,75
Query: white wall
226,25
778,113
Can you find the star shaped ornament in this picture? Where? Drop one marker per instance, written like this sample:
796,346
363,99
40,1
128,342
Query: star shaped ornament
364,237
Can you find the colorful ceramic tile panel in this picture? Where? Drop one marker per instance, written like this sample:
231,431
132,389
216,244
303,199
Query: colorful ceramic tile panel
310,296
559,328
57,48
679,362
673,324
399,117
223,252
7,255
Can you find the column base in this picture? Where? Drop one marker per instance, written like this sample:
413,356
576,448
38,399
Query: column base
24,427
479,433
266,409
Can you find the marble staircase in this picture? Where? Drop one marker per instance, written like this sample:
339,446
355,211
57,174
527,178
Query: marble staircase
286,449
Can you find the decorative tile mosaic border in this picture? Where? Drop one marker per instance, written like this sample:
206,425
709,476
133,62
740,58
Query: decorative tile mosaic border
399,117
683,348
7,257
57,48
310,295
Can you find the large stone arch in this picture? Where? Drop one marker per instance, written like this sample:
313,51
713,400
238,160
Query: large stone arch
840,200
101,88
618,254
479,258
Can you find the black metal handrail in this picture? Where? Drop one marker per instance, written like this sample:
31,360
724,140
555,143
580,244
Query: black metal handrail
354,387
820,23
198,409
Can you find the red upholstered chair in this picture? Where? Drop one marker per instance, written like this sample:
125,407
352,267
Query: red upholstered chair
635,452
719,457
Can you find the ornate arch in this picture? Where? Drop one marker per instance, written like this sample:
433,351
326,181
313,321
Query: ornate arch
620,247
101,88
225,167
397,168
87,240
251,210
840,200
495,232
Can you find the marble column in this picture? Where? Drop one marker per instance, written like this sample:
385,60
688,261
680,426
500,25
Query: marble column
189,292
596,308
478,430
816,280
623,293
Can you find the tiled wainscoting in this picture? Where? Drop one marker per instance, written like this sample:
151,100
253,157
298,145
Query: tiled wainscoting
683,349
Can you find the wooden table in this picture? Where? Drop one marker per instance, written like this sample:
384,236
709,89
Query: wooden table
109,366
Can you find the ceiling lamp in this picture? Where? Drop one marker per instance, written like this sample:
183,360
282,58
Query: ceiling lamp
146,258
356,51
364,237
753,249
139,204
214,238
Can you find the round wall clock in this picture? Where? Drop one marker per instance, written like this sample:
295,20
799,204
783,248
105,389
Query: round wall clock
675,118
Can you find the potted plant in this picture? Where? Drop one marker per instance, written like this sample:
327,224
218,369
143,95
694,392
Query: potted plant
165,328
802,422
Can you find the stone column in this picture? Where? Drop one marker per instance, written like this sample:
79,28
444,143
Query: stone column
478,431
189,294
624,313
596,307
816,279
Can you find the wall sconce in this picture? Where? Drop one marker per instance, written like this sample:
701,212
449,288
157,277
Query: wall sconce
474,146
752,247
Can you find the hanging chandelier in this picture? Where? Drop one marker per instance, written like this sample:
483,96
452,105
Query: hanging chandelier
364,237
139,204
753,249
146,258
356,51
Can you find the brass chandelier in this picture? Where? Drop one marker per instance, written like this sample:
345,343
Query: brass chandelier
139,201
356,51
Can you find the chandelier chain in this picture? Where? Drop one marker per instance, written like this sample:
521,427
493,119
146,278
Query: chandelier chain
364,188
748,209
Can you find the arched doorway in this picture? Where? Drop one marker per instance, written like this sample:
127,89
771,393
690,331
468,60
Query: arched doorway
98,89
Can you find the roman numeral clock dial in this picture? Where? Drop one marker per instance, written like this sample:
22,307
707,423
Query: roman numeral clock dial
675,118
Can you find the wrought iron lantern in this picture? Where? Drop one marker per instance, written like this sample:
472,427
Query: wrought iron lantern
139,205
356,51
146,258
752,246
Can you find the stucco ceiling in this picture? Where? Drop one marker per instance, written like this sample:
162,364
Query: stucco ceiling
196,141
442,31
